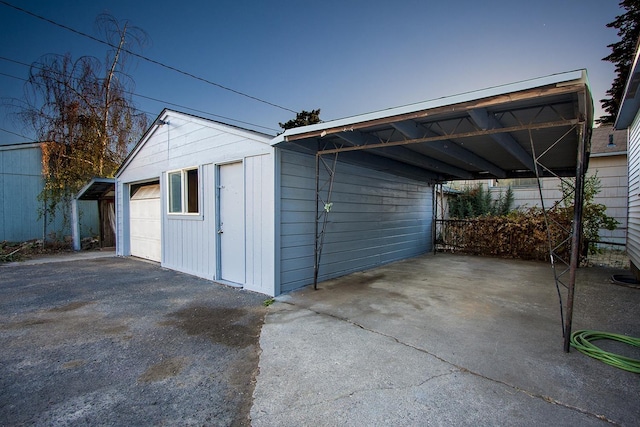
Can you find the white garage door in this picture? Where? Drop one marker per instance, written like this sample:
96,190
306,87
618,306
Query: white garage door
144,222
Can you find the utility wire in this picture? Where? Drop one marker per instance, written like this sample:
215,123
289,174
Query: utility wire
13,133
153,61
201,111
152,115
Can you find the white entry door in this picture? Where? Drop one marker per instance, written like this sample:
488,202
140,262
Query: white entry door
231,223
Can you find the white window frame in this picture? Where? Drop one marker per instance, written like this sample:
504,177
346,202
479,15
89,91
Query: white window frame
184,193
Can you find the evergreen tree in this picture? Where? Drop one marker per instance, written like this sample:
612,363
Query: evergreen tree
303,118
622,56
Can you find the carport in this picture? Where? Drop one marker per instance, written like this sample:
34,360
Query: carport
531,129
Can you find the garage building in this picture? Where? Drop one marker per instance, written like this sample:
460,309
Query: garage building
320,201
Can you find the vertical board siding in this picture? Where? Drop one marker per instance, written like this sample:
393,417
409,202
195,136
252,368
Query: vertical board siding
189,243
633,225
21,182
375,218
259,208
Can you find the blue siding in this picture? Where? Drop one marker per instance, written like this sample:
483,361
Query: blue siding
21,182
376,218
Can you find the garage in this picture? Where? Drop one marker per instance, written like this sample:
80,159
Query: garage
145,222
328,199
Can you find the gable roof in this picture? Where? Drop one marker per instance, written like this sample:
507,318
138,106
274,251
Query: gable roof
161,121
475,135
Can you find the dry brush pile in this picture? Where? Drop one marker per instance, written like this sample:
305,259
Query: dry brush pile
520,234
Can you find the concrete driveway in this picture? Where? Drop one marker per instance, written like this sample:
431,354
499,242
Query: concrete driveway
445,340
120,342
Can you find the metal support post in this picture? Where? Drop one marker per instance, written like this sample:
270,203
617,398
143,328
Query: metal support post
578,209
560,265
323,207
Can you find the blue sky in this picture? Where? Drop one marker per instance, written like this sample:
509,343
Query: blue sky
346,57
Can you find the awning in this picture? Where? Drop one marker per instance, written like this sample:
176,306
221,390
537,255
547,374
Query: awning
98,188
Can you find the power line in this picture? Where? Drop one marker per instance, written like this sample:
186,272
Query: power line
152,115
201,111
13,77
13,133
153,61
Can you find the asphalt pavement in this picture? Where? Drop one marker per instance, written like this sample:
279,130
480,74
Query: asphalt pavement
108,341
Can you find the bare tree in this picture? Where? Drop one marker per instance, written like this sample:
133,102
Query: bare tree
83,113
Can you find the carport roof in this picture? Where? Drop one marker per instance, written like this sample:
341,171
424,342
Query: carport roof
500,132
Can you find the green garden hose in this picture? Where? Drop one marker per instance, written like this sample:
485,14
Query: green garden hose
582,341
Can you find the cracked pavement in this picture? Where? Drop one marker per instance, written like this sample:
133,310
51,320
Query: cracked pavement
479,343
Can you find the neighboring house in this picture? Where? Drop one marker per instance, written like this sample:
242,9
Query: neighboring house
21,182
275,214
608,159
629,119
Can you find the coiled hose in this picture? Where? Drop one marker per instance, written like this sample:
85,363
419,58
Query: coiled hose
582,341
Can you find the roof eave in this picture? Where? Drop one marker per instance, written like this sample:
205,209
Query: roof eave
630,103
321,129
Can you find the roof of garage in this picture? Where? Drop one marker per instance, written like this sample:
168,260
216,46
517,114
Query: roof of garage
491,133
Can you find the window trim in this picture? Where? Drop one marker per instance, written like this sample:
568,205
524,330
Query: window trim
183,214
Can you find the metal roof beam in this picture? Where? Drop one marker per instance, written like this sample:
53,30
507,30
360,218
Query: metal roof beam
487,121
390,166
414,130
404,155
477,132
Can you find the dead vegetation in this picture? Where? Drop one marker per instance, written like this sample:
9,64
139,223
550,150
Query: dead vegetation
517,235
21,251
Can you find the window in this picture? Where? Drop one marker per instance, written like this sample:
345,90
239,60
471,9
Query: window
183,191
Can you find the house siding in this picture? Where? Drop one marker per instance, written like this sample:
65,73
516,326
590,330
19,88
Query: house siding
633,226
189,242
612,172
375,219
21,182
188,245
259,220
